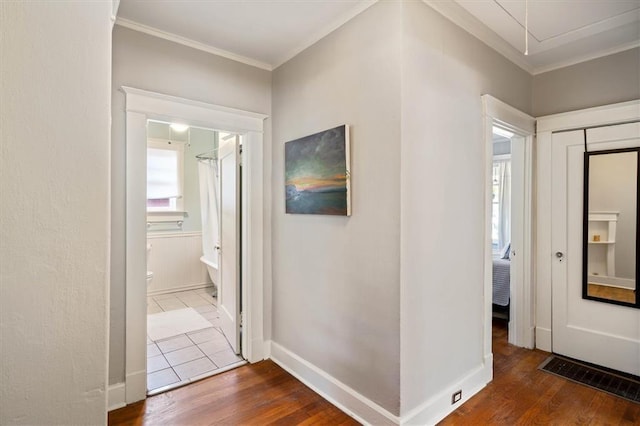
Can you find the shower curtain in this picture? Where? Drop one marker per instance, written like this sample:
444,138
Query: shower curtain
209,207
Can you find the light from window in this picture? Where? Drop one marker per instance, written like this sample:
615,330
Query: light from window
164,176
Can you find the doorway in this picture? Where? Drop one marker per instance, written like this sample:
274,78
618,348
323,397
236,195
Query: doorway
142,106
187,337
508,227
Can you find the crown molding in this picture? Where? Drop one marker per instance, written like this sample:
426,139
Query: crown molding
325,31
585,58
136,26
459,16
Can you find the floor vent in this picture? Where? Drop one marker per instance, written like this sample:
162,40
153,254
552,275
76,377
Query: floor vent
616,383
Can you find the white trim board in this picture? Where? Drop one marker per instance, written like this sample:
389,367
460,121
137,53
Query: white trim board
141,106
165,35
116,396
522,324
342,396
438,407
368,412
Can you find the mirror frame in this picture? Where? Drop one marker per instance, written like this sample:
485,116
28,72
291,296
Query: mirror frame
585,226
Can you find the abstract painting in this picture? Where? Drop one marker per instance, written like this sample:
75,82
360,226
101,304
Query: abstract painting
317,179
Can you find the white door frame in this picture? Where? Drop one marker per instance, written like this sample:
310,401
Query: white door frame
143,105
546,126
522,321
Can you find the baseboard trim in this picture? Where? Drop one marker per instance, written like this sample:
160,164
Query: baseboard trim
342,396
543,339
135,386
116,396
438,407
180,288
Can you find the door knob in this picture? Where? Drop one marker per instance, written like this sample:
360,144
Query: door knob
559,254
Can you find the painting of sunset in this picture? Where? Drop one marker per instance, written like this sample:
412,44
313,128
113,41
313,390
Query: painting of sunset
316,173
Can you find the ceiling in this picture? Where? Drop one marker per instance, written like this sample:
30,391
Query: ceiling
267,33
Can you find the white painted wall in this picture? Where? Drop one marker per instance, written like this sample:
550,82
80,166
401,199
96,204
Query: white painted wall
602,81
54,251
336,287
445,71
174,260
149,63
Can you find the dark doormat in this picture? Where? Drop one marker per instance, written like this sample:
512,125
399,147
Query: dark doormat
624,385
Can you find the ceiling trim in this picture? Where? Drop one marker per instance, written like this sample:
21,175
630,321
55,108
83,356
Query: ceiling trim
461,17
325,31
585,58
136,26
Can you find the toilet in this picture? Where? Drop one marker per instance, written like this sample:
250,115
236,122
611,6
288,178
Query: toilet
149,273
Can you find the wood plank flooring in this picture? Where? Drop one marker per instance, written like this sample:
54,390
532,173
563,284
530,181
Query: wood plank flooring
255,394
520,394
264,394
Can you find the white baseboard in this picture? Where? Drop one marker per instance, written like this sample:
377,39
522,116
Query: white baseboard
116,396
438,407
180,288
342,396
135,386
543,339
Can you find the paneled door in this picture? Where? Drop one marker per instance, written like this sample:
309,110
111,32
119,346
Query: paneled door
229,286
601,333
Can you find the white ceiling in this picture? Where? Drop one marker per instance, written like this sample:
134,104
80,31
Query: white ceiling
266,33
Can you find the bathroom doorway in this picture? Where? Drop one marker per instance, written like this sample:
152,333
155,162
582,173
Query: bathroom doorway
186,338
247,128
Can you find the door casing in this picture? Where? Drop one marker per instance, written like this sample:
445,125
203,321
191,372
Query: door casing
141,106
521,323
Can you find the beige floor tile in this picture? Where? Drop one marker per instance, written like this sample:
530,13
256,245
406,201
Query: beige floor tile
183,355
174,343
205,335
153,350
194,368
205,309
156,363
171,304
214,346
161,378
224,358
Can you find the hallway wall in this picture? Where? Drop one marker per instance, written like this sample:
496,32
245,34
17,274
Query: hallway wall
55,60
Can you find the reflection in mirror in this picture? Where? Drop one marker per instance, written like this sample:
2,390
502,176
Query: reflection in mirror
611,226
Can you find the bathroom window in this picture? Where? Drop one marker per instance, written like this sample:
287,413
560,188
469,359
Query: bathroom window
164,176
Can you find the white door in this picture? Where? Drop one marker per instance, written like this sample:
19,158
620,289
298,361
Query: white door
229,286
601,333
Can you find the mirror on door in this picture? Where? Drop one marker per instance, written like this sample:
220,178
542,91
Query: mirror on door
610,245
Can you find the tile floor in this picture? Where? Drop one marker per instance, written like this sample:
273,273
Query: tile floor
177,360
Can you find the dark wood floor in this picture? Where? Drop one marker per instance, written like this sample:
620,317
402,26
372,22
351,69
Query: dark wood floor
520,394
263,393
255,394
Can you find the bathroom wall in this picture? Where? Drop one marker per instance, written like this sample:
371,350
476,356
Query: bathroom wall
149,63
175,262
55,61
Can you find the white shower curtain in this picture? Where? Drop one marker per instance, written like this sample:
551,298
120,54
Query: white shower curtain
207,171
